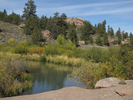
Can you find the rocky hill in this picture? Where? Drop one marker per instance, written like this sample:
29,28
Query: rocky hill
78,21
9,31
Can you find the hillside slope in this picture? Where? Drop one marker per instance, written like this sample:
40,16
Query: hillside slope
11,31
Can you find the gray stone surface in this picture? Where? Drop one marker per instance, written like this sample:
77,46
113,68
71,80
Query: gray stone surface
126,89
72,93
107,82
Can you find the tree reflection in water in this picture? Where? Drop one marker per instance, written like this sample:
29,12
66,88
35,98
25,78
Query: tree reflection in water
49,77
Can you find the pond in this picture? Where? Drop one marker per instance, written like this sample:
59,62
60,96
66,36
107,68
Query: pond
48,77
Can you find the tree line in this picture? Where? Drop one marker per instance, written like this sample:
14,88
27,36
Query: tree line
57,25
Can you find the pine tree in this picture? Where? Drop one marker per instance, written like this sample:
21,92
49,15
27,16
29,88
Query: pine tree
111,32
104,25
101,31
105,39
36,36
99,41
131,41
73,36
86,31
118,34
31,23
43,22
91,39
29,10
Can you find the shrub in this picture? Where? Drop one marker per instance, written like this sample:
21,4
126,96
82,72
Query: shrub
36,50
20,49
99,41
24,43
11,69
43,58
51,50
60,40
93,53
88,74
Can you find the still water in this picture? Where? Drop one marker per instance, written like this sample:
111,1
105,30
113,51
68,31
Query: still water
48,77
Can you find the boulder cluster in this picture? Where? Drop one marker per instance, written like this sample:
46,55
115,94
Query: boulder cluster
77,21
123,88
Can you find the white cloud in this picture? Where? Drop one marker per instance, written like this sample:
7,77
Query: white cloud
94,9
112,11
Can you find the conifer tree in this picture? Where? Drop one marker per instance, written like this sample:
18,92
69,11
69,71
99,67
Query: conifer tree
86,31
99,41
131,41
118,34
36,36
73,36
111,32
43,22
91,39
31,23
29,10
105,39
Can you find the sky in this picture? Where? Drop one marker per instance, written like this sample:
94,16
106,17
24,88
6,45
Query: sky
117,13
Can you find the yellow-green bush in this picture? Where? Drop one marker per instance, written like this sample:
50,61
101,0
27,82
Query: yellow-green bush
88,74
20,49
36,50
11,69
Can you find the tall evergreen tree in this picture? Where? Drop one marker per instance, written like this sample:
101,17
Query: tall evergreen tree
99,41
29,10
86,31
101,31
73,36
104,25
108,30
118,34
36,36
31,23
111,32
131,41
105,39
91,39
43,22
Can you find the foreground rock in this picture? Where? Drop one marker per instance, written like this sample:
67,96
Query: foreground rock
125,89
107,82
72,93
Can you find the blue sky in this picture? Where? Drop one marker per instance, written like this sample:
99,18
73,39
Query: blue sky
117,13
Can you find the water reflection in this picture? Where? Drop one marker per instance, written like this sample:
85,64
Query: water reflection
49,77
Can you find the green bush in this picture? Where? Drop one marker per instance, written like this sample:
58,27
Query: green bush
11,78
43,58
60,40
93,54
20,49
51,50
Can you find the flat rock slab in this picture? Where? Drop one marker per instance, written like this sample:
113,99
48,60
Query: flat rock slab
125,89
107,82
72,93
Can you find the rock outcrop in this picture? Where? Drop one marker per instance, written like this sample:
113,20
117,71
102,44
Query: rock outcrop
10,31
46,34
21,26
107,82
122,90
78,21
125,89
126,41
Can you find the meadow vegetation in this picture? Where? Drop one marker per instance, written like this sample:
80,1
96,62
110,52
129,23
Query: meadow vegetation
13,77
90,65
